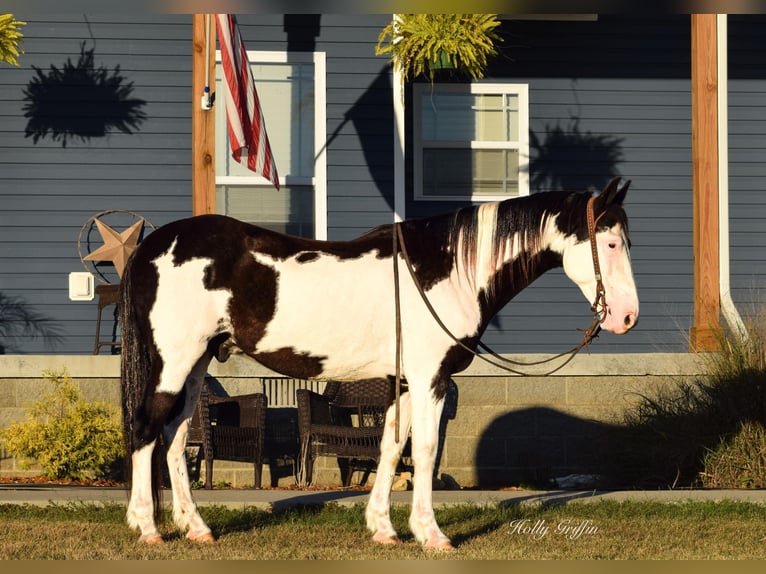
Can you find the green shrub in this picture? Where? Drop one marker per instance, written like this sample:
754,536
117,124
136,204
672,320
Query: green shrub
10,39
69,437
739,461
698,433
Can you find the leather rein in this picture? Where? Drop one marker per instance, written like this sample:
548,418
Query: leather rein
599,309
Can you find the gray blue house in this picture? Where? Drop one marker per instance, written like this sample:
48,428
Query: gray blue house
98,118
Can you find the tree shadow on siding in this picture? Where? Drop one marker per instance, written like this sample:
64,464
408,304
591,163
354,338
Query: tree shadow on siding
80,101
19,322
571,159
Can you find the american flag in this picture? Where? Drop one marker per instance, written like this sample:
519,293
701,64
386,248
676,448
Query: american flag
247,128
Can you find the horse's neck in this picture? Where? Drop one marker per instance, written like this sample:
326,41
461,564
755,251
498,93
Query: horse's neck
532,259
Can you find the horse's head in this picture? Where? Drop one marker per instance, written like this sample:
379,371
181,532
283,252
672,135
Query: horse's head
613,247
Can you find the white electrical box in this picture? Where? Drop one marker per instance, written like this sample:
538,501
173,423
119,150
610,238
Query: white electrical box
81,286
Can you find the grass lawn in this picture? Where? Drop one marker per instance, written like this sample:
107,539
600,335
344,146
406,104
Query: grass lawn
600,530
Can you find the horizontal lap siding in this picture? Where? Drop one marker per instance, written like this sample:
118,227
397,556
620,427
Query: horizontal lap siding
622,82
49,191
359,114
617,88
747,165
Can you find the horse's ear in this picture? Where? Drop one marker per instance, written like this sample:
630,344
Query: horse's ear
613,193
622,191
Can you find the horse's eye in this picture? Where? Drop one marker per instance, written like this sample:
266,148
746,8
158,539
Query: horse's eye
612,245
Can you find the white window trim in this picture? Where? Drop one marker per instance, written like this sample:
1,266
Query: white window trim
319,181
522,90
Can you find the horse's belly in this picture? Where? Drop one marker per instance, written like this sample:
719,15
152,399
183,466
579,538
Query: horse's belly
329,350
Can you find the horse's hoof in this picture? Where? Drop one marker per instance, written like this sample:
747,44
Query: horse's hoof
152,539
385,539
440,546
204,538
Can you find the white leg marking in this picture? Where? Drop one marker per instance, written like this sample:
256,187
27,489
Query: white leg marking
185,513
141,507
379,505
425,435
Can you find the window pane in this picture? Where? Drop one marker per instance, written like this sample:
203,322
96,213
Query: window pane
463,172
488,111
512,114
286,92
447,172
289,210
466,117
447,117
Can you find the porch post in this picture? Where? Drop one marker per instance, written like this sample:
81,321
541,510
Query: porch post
203,121
704,86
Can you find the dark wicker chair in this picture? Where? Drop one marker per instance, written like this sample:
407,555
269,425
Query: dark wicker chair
345,421
282,445
229,428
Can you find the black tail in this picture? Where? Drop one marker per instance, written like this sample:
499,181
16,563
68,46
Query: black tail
135,370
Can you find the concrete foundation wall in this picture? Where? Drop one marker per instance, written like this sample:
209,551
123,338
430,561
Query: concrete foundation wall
506,428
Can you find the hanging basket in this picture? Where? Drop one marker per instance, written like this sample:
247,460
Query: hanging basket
421,44
442,62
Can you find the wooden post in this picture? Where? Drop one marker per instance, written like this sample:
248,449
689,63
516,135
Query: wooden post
203,121
705,182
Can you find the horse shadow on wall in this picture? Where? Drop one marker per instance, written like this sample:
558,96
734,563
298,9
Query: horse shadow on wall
80,101
684,435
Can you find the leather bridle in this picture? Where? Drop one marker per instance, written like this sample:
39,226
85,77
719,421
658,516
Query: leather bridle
599,308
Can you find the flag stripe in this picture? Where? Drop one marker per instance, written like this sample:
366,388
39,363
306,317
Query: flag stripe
244,117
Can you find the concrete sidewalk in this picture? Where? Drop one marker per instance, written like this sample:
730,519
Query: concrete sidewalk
267,499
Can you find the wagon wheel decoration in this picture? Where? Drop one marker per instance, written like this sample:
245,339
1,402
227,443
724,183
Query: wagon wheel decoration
117,245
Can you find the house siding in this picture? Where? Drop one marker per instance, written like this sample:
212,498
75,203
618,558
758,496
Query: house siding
49,191
747,168
360,163
608,97
618,88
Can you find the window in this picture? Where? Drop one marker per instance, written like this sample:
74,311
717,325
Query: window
471,141
291,88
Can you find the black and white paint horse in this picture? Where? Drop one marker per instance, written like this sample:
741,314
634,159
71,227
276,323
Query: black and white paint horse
326,310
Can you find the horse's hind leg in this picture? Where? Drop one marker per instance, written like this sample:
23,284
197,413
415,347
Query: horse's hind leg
140,513
168,376
185,513
378,513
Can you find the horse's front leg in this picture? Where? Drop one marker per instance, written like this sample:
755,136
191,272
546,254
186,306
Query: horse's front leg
378,512
426,411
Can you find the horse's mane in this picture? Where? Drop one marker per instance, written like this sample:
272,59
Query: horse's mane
480,237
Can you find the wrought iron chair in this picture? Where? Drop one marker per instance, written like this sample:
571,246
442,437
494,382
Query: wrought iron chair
345,421
229,428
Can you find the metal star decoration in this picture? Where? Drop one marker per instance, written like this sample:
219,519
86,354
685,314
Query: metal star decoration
117,246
